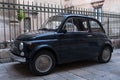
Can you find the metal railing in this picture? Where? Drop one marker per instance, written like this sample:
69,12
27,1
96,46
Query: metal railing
18,18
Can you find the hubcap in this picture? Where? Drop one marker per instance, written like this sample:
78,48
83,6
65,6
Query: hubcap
43,63
106,54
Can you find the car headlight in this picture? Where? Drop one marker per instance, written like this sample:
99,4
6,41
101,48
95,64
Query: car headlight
21,46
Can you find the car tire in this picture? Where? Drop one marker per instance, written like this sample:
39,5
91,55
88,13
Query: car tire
43,63
105,55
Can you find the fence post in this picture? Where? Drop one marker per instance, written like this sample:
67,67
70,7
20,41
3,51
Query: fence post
108,27
3,5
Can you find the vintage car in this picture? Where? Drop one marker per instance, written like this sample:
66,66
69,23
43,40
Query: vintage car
61,39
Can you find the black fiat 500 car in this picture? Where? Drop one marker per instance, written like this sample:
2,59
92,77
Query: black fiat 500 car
61,39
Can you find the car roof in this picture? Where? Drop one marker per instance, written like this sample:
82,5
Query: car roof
74,15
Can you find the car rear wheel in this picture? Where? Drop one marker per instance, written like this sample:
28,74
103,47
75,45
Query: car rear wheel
105,55
43,63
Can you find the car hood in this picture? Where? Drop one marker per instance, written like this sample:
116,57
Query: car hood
36,35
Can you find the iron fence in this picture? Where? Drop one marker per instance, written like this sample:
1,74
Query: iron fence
18,18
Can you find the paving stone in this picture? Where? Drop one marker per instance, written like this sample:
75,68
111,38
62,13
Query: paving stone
70,76
38,78
4,76
77,71
2,69
53,77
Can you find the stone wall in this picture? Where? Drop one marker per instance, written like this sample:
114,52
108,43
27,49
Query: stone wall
6,13
5,56
111,6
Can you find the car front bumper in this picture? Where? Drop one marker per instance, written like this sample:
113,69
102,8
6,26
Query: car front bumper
15,54
17,58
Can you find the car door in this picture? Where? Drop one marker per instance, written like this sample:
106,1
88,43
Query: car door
73,43
95,37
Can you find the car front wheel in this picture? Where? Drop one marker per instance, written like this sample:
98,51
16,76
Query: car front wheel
43,63
105,55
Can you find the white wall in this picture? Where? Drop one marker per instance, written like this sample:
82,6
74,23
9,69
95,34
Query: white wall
108,6
82,3
57,2
25,1
112,6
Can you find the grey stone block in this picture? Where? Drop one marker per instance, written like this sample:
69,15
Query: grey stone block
5,56
116,43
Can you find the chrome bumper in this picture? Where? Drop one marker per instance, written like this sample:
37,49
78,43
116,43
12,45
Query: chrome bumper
17,58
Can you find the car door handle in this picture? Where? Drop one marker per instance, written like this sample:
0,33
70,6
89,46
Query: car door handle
89,35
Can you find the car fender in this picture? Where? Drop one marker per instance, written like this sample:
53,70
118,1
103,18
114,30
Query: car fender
40,47
107,43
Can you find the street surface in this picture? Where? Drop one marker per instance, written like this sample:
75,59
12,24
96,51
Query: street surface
82,70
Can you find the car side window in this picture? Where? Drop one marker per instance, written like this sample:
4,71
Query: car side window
82,24
70,26
95,27
76,25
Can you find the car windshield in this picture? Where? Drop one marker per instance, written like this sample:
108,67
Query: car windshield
53,23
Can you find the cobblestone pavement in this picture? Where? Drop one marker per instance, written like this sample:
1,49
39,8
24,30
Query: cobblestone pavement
83,70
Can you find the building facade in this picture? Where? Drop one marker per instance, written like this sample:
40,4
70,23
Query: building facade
108,5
